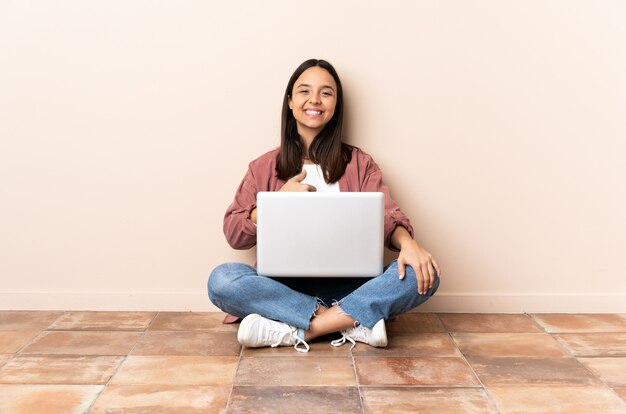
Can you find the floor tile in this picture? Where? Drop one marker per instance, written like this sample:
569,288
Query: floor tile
187,343
13,341
527,371
426,400
191,321
508,344
418,344
413,322
47,399
104,321
557,400
415,371
27,320
4,359
176,370
144,399
59,370
577,323
295,371
289,400
610,370
496,322
83,343
594,344
318,349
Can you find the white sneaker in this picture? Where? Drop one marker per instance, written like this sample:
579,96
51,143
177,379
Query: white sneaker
256,331
377,336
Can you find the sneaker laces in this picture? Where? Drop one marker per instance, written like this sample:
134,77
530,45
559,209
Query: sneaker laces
301,342
286,336
357,333
342,340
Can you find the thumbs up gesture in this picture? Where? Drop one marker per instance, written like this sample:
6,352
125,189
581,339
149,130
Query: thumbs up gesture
296,184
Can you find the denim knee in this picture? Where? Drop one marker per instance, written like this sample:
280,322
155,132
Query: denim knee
412,287
219,284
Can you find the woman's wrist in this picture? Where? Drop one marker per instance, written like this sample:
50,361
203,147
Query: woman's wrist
401,237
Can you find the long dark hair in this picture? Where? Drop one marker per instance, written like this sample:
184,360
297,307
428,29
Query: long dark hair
327,148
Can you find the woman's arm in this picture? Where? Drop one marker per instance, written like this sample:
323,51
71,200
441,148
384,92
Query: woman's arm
239,229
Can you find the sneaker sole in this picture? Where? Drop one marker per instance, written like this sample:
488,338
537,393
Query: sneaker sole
244,328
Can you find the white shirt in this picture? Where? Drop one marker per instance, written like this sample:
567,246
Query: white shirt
315,178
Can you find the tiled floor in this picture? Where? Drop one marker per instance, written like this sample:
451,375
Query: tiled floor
140,362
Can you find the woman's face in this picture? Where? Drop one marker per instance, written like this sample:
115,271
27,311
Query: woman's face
313,100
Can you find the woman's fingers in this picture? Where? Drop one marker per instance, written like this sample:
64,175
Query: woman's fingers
422,263
417,268
295,183
421,280
401,266
425,274
431,274
436,268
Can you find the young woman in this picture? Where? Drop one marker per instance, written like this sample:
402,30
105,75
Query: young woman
312,157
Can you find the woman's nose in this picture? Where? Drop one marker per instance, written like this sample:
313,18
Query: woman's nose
315,99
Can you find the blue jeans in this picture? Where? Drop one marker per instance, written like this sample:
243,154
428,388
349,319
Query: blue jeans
236,288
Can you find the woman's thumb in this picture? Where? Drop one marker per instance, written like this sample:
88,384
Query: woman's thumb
300,176
401,268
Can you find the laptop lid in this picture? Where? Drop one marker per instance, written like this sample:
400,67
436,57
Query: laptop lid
320,234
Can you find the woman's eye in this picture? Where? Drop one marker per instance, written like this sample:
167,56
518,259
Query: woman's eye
304,92
327,94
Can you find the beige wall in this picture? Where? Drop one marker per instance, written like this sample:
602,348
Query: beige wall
126,126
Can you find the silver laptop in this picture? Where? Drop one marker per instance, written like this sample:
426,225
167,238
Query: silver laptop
320,234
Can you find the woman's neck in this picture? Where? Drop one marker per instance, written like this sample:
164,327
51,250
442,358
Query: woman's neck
307,143
307,136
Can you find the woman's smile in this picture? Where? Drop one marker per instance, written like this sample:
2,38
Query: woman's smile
313,112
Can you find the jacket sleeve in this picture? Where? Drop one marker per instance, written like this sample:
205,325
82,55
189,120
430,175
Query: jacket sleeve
373,181
239,229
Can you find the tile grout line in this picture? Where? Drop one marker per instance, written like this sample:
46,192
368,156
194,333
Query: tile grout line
570,352
49,329
232,387
356,380
124,358
585,367
535,322
156,314
482,385
41,333
599,378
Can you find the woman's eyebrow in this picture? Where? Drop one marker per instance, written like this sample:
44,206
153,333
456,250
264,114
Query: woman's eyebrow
306,85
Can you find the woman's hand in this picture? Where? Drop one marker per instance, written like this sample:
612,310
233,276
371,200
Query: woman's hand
417,257
295,184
